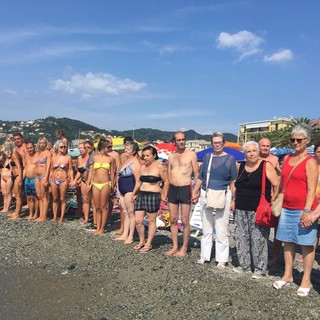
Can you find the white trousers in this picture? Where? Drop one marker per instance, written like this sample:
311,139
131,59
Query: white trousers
219,220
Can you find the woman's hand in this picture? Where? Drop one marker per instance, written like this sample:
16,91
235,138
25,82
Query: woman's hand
307,219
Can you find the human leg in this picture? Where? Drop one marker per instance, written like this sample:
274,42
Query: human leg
55,200
185,217
126,221
173,209
308,255
104,198
242,237
289,254
130,210
63,189
207,230
6,189
139,218
259,247
85,201
17,191
221,219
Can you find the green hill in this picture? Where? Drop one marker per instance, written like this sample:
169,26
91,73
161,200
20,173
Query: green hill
33,129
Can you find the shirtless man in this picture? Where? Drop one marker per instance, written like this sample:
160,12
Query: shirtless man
29,174
264,147
20,145
181,164
117,165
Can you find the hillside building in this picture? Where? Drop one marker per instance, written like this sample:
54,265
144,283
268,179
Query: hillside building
249,129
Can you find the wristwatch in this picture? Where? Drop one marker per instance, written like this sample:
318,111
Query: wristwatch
307,210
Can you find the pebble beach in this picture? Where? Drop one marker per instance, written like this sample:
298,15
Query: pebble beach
62,271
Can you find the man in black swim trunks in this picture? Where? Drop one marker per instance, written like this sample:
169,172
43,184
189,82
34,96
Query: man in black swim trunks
181,164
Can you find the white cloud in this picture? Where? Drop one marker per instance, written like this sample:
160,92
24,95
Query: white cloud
168,49
177,114
244,42
9,91
282,55
90,84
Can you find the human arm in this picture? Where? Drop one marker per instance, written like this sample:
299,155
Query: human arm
274,180
312,179
165,179
136,169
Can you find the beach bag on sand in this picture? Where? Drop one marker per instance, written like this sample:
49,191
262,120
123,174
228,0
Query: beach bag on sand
215,199
264,215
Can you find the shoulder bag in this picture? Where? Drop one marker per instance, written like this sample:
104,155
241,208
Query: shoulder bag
264,215
277,204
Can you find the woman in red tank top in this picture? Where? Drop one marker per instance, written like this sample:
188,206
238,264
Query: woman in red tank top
299,180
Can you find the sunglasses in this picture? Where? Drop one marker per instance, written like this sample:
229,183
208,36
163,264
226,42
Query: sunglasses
62,147
297,140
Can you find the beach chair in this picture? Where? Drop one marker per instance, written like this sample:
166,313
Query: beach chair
71,199
195,220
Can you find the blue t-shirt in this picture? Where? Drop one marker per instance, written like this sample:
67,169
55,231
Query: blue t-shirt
223,170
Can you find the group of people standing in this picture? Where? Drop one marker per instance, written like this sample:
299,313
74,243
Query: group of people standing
142,183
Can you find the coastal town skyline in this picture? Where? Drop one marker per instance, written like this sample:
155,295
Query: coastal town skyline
206,66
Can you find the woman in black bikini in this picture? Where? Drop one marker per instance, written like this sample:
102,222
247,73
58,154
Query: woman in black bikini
148,195
11,180
61,177
81,181
6,177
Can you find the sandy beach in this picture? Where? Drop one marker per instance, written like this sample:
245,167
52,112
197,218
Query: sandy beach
62,271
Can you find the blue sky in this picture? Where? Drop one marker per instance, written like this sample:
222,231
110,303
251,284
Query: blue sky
168,65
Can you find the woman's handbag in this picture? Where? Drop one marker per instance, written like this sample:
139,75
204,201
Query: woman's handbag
215,199
277,203
264,215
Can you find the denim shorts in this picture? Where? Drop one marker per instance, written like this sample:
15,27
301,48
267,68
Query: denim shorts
290,229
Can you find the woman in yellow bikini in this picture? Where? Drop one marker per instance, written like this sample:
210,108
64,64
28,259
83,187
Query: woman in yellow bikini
43,164
101,177
61,177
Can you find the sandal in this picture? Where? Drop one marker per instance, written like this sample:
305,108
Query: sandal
138,246
280,284
303,292
145,249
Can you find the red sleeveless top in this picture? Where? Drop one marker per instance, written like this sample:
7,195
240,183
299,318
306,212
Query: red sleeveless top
296,190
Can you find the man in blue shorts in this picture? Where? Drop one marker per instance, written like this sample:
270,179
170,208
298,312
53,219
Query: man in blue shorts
29,174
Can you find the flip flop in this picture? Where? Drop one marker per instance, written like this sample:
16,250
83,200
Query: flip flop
145,249
138,246
303,292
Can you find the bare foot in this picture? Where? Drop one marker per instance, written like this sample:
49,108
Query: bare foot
120,239
171,252
40,219
180,254
128,241
117,232
29,218
14,217
60,220
99,232
84,222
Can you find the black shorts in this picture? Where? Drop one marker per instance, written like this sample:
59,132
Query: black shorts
178,194
148,202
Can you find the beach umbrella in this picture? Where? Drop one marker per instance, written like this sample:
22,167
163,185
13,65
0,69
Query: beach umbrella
233,145
281,151
238,155
165,149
